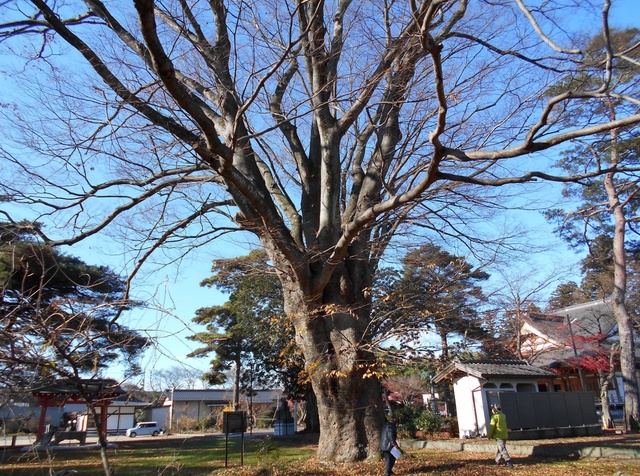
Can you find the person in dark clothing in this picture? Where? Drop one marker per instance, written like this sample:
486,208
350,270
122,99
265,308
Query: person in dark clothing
388,441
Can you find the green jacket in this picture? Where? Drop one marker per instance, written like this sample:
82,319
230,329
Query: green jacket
498,427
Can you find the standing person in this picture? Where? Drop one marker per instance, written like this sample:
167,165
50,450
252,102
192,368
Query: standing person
388,441
498,430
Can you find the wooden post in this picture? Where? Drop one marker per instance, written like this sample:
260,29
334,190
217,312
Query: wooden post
43,414
103,419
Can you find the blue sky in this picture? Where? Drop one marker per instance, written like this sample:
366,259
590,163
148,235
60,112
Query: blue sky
181,290
176,295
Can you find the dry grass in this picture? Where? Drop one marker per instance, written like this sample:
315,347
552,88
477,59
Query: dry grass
446,464
294,457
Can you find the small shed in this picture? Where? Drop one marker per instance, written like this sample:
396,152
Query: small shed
478,383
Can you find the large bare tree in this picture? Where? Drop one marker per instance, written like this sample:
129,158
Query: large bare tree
323,128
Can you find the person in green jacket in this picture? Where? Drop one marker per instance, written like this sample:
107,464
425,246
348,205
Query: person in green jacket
498,430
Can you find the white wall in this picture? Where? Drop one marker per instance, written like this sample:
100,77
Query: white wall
160,415
466,402
119,417
119,422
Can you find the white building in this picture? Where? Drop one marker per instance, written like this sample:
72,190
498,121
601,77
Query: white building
477,383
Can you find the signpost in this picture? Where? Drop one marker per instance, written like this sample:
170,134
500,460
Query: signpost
234,422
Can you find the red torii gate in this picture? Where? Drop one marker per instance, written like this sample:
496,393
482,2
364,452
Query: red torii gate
95,392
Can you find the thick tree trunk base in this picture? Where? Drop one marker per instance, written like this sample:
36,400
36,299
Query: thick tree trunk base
351,417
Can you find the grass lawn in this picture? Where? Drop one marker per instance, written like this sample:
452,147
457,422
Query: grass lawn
284,457
167,457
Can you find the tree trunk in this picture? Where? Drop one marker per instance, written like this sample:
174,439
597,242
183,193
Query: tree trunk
603,381
98,422
519,329
444,359
312,417
236,384
342,370
625,325
444,343
351,415
628,369
348,393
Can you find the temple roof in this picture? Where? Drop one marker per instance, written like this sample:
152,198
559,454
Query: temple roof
221,395
80,389
550,337
587,319
490,368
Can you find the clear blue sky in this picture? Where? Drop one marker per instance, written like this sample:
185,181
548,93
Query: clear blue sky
176,288
181,285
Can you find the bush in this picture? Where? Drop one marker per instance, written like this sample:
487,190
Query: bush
429,422
451,423
265,419
206,423
407,417
185,424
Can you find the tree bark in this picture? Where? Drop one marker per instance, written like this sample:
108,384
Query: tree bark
363,147
236,383
625,324
98,422
603,382
343,372
311,417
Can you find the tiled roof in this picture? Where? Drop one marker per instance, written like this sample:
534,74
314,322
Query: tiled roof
587,319
96,388
488,368
221,395
549,338
127,401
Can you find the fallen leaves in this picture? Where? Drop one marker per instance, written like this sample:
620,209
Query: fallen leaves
424,462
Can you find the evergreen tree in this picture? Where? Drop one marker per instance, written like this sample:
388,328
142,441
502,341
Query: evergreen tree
608,205
56,313
240,332
440,291
565,295
325,130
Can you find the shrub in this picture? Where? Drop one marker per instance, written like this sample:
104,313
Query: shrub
206,423
265,419
407,417
451,423
429,422
185,424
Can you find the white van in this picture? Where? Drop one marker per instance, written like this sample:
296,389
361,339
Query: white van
144,428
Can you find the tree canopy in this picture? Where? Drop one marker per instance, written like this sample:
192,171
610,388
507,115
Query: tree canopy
434,292
57,313
239,333
324,129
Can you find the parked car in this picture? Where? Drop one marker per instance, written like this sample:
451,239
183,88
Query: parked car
144,428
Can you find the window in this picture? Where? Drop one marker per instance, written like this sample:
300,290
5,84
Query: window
525,387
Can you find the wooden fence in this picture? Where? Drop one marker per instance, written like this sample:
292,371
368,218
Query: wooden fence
564,413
